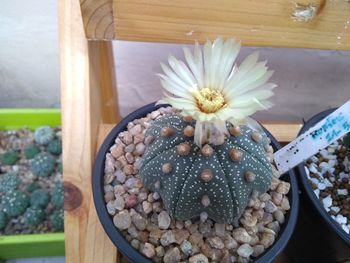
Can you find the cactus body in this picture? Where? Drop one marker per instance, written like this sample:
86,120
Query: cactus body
14,203
43,164
39,198
55,147
43,135
218,180
9,158
57,195
31,150
31,187
3,220
8,182
34,216
57,220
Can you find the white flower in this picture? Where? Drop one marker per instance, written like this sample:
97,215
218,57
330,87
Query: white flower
213,90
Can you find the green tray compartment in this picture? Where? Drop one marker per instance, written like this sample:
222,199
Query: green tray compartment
35,245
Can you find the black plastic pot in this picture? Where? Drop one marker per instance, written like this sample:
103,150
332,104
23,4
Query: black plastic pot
133,255
318,238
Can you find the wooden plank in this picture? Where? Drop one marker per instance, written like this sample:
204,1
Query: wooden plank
82,113
276,23
98,19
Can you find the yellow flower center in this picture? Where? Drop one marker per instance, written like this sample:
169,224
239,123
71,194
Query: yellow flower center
209,100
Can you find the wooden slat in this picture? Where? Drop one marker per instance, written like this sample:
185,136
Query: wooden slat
254,22
82,112
98,19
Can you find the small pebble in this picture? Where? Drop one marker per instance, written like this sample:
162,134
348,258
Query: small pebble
167,238
186,247
122,220
172,255
164,220
245,250
139,222
199,258
148,250
258,250
147,207
216,242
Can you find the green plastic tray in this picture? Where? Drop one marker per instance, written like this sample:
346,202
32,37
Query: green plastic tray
36,245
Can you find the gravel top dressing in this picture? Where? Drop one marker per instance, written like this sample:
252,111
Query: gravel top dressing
329,174
31,193
140,216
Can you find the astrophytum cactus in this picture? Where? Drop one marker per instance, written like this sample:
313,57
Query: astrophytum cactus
210,157
216,179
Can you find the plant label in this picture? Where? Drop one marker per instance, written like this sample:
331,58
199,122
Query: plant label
328,130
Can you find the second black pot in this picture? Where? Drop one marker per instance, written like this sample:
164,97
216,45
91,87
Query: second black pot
318,238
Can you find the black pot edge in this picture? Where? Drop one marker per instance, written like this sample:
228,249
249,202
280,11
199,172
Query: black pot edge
307,187
132,254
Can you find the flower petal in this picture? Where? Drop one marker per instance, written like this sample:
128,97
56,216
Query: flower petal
182,71
195,63
175,89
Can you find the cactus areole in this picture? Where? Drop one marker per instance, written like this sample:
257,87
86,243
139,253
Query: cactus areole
210,156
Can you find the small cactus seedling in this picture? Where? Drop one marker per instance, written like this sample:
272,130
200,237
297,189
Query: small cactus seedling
55,147
31,187
9,157
8,182
43,135
31,150
203,159
39,198
60,167
34,216
3,220
57,196
43,164
14,203
346,140
57,220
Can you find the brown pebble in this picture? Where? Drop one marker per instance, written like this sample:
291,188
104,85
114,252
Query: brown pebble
207,150
130,201
189,131
109,196
249,176
235,131
256,136
166,131
167,168
183,149
205,201
207,175
235,155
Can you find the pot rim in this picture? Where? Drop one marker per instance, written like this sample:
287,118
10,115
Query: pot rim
331,223
134,255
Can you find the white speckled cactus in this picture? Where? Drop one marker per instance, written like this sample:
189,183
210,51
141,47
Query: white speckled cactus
217,179
203,159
